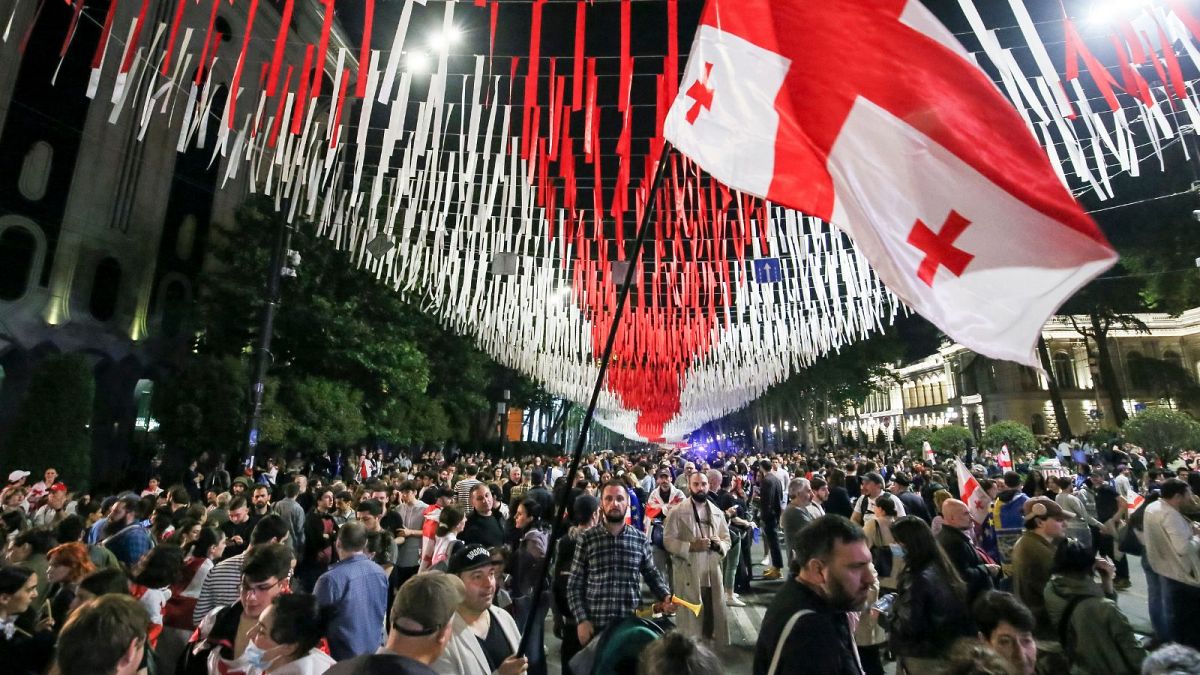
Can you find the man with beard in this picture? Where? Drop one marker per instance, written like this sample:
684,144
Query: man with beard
610,563
260,504
485,525
808,621
697,536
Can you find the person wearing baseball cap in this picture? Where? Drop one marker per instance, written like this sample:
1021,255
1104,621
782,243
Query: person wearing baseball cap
484,639
1033,557
421,627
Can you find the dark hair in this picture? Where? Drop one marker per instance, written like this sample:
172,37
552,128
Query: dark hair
886,503
162,567
968,656
105,581
1072,557
179,496
994,607
98,634
352,536
921,550
297,622
1064,482
676,653
264,562
819,537
837,478
69,529
1173,487
270,527
533,509
408,486
291,491
1035,482
1012,479
13,577
817,483
39,539
873,477
449,519
209,537
238,502
371,506
613,482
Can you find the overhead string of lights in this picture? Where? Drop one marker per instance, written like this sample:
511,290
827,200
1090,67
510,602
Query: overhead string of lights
499,194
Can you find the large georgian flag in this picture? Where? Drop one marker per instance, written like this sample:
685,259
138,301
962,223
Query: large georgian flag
870,115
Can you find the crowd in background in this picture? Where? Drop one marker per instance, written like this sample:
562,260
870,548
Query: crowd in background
450,563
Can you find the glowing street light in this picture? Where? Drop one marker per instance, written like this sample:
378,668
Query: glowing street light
417,62
442,41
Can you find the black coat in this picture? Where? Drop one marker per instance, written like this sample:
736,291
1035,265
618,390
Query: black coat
966,561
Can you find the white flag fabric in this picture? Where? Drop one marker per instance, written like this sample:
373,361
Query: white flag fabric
871,116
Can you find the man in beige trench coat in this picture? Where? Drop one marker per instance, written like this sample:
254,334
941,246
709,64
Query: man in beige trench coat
696,535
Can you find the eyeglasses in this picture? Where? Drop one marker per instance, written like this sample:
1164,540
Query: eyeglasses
247,589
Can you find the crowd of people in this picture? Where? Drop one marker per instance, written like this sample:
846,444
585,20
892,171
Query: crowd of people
439,562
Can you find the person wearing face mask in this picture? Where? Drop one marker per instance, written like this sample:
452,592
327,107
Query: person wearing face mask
285,639
223,635
697,536
809,618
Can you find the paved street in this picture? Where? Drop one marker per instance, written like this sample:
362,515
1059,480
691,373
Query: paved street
744,621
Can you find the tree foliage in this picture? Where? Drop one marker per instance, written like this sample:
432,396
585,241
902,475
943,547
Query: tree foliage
203,407
51,424
1015,435
915,438
951,439
1163,431
352,359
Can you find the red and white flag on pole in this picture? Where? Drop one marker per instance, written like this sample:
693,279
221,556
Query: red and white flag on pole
970,493
870,115
1004,459
927,452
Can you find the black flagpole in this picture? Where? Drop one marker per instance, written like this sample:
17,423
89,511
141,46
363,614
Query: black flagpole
560,507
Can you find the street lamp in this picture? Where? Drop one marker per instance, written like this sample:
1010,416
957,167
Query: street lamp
833,428
951,415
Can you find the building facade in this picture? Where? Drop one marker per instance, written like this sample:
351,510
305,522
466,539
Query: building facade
1157,363
104,223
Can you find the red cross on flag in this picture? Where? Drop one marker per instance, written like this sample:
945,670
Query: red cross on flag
871,116
971,493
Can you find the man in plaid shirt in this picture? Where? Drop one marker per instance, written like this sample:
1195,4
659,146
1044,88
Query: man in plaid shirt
605,584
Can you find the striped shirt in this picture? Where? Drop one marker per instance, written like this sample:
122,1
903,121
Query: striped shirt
606,576
462,493
222,587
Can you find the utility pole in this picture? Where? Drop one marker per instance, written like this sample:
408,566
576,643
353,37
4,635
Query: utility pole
283,263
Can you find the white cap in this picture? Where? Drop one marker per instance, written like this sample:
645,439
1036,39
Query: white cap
17,475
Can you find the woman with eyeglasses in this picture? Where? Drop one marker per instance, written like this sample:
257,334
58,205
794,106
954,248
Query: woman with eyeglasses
285,639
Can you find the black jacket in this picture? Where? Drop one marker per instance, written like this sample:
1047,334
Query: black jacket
966,560
801,634
770,496
484,530
927,616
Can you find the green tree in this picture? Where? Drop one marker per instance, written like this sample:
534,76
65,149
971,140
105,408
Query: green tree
51,424
323,414
202,408
915,438
1163,431
1015,435
951,439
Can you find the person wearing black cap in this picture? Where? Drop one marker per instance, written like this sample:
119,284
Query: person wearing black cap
421,627
914,505
484,639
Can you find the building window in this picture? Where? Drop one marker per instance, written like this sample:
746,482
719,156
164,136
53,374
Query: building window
106,288
1037,424
35,171
1172,357
18,247
1064,370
